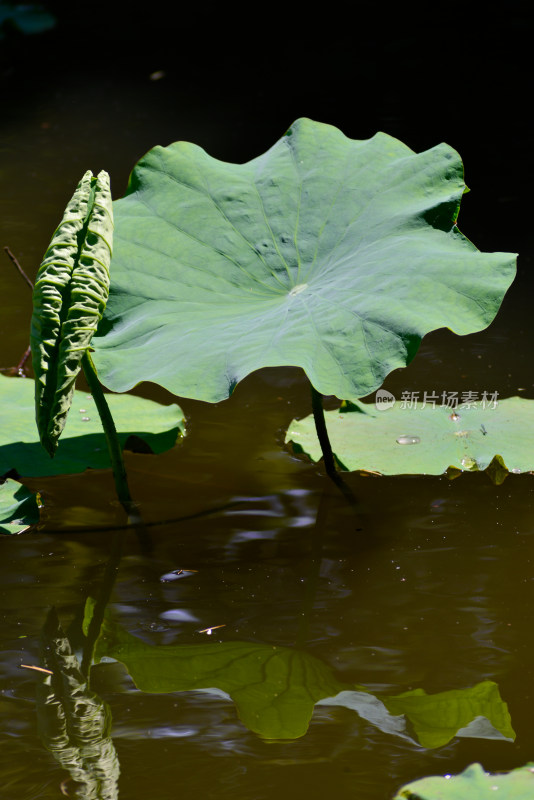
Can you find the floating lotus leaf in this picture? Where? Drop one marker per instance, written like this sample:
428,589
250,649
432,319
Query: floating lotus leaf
496,436
473,784
70,294
18,507
83,443
331,254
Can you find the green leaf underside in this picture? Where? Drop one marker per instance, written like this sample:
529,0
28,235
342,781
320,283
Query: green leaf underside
436,719
18,507
71,290
331,254
469,439
83,442
275,689
473,784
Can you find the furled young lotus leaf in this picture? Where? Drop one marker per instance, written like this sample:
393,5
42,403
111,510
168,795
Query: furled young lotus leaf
331,254
70,295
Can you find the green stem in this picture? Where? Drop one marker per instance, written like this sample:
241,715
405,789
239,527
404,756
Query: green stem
326,447
114,448
322,433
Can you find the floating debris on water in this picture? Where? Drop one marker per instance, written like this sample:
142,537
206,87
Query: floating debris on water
37,669
209,631
176,574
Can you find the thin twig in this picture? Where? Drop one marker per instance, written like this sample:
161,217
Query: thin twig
18,267
20,366
19,369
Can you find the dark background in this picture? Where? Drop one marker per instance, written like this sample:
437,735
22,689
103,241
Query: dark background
235,79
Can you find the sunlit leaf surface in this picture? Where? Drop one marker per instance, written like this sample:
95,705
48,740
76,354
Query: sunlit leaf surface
473,784
83,443
428,440
327,253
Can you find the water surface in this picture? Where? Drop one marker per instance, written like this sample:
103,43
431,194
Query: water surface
427,584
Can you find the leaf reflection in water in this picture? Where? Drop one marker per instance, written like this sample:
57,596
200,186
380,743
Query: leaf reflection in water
275,689
74,723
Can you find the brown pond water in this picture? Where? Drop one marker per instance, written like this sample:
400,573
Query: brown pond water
428,585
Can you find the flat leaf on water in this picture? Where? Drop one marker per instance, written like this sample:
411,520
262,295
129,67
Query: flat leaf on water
70,294
275,689
83,444
19,508
473,784
331,254
401,441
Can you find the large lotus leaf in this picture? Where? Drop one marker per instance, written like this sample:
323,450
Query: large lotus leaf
18,507
275,689
498,437
331,254
70,294
83,443
473,784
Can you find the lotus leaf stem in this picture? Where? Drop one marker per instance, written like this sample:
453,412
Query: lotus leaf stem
326,447
110,431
